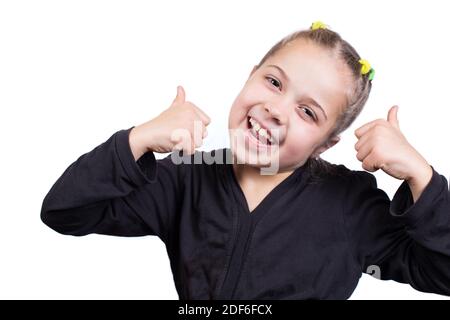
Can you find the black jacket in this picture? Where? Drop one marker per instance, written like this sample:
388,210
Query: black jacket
303,241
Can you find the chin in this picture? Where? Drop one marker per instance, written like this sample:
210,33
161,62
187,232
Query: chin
249,152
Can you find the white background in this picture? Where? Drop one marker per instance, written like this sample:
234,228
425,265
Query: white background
74,72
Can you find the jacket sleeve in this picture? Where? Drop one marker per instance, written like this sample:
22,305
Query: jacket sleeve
404,241
106,191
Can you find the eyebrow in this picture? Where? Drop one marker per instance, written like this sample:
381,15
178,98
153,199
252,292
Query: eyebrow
313,102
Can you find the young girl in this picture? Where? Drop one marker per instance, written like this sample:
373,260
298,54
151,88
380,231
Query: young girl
305,230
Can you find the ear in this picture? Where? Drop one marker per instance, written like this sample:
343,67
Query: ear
324,147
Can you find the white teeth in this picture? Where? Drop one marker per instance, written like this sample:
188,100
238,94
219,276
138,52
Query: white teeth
256,127
263,133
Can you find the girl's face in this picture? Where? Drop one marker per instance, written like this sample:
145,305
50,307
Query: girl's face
288,106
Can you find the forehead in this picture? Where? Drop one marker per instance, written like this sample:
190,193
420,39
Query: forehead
315,71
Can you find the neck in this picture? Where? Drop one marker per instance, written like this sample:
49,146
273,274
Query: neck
249,176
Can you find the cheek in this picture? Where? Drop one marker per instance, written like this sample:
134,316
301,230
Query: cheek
300,140
246,99
252,94
236,111
237,114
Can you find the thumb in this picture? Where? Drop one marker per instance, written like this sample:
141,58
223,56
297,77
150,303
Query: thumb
181,96
392,117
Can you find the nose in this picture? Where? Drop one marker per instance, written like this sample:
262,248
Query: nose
275,113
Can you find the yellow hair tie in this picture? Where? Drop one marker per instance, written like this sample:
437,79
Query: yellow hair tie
366,68
318,25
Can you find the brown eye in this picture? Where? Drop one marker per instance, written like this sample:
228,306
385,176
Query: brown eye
274,82
308,112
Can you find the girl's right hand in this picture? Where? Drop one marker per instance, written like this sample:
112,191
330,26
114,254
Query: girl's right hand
180,127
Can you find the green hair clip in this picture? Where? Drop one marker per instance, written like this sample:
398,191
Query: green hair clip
371,74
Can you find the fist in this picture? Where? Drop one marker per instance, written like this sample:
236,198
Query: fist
180,127
381,145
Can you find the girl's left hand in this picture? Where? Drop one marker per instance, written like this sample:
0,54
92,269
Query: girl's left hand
381,145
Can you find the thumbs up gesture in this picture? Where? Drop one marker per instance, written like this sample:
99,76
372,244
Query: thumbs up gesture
381,145
182,126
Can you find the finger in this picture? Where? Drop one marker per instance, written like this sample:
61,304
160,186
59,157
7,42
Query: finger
178,135
392,117
188,151
370,164
182,140
363,129
203,116
181,96
198,144
198,133
364,150
190,148
187,144
179,145
365,138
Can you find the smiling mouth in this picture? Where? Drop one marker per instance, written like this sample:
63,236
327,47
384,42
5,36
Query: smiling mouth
259,133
